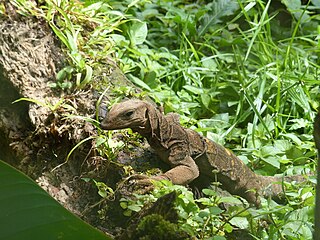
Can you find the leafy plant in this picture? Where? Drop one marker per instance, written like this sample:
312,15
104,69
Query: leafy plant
28,212
52,107
242,73
203,218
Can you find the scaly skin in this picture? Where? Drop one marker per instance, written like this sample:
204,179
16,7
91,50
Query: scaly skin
189,154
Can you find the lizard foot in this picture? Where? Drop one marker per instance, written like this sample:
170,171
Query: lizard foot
140,184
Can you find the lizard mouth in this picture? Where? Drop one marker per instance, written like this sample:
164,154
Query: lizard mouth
106,125
116,125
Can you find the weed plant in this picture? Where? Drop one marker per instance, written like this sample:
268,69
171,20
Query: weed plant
243,73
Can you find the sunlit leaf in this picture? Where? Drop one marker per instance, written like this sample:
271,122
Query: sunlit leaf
240,222
28,212
138,32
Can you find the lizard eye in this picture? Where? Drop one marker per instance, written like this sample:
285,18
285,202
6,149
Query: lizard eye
128,114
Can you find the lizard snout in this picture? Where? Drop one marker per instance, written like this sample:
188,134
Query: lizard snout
105,123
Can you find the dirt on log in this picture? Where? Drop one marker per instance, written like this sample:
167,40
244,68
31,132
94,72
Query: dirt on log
34,137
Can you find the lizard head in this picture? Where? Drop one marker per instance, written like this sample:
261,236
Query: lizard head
128,114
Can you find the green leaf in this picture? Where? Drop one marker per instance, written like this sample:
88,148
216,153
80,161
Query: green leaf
215,210
28,212
209,63
138,32
139,83
316,3
296,8
100,140
240,222
134,208
151,79
206,100
274,161
228,228
299,123
293,137
124,205
204,213
298,96
87,77
64,73
209,192
193,89
219,238
219,9
266,151
232,200
283,145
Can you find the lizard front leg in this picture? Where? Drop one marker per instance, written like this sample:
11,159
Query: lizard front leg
183,173
184,169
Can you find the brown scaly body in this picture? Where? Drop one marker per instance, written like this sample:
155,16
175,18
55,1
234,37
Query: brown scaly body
189,154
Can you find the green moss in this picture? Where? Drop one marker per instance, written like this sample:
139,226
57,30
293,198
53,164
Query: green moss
155,227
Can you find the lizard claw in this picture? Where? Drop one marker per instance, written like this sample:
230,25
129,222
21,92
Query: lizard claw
139,183
145,180
137,177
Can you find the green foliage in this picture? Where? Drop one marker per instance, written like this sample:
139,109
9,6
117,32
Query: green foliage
243,73
28,212
203,218
156,227
196,221
52,107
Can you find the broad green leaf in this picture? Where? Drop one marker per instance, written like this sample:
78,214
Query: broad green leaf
299,123
228,228
209,63
100,140
206,100
28,212
316,3
268,150
139,83
283,145
219,9
151,79
193,89
209,192
274,161
293,137
134,208
298,96
113,144
204,213
218,238
215,210
138,32
240,222
296,8
232,200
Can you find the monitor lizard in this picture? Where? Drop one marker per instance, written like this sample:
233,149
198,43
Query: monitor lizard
189,154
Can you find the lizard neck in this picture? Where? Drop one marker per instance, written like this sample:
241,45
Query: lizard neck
144,131
153,127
